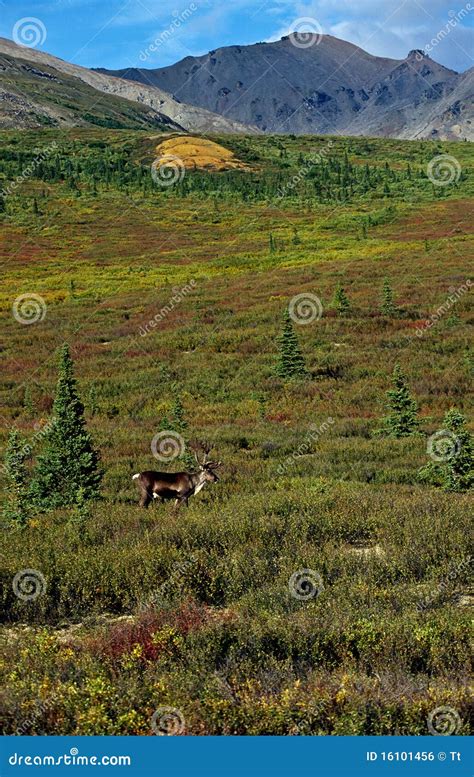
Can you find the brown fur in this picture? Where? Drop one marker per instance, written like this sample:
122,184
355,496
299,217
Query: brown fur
173,485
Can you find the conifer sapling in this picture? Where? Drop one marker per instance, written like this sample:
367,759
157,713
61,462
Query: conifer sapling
291,363
402,420
341,300
388,305
452,451
16,453
69,462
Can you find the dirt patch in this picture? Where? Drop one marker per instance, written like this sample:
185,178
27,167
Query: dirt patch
366,552
197,154
465,598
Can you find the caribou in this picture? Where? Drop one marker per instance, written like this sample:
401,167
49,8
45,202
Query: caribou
176,485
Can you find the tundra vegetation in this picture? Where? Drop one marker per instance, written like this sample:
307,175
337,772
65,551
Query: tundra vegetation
137,610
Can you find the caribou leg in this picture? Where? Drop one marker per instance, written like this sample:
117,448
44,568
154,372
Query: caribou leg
145,498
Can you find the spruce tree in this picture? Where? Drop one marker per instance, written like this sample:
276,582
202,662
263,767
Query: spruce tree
179,424
402,420
341,301
28,402
453,449
178,420
70,462
460,467
291,363
388,306
17,452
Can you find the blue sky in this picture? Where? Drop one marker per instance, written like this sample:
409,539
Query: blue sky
118,33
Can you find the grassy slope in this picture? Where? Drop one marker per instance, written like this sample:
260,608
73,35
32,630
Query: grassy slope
71,100
232,649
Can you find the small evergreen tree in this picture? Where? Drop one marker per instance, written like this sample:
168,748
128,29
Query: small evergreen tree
291,363
15,456
453,446
82,514
262,406
341,301
28,402
402,420
388,306
178,420
93,403
70,461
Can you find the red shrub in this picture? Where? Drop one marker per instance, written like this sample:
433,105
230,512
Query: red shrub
121,638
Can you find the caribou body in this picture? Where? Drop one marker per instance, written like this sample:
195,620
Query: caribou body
175,485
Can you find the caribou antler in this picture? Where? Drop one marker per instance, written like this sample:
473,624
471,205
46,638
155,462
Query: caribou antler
213,464
205,448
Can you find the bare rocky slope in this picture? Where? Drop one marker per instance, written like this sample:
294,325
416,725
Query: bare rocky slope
331,87
37,89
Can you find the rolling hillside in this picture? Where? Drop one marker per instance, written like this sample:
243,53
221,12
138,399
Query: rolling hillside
38,89
322,586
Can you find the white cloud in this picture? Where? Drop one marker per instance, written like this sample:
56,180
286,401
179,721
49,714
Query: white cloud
382,27
389,28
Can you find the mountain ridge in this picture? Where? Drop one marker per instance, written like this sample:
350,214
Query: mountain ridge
30,97
331,87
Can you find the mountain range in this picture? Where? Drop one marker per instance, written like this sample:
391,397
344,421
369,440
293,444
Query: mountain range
330,87
286,86
37,89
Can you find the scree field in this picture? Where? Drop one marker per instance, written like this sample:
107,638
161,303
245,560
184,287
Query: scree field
321,586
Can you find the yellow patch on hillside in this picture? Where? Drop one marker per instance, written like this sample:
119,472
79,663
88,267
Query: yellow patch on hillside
197,154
